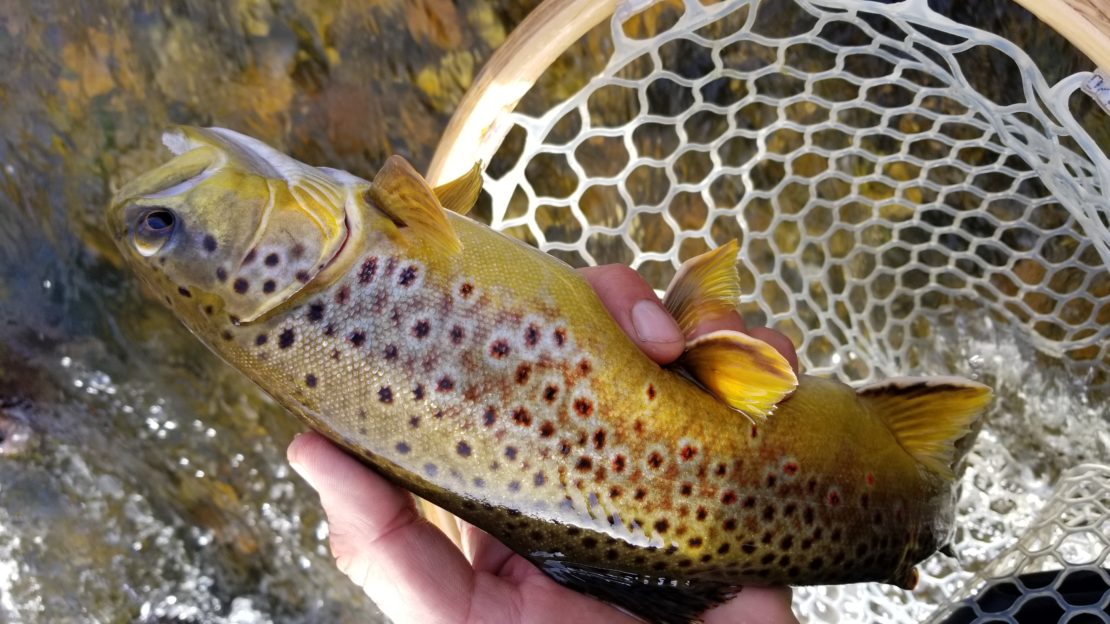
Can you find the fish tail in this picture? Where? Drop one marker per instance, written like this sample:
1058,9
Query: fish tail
928,415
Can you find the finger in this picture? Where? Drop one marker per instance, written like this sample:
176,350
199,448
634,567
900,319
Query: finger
632,302
779,341
755,605
380,541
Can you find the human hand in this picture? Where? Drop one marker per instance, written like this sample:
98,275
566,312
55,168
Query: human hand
414,573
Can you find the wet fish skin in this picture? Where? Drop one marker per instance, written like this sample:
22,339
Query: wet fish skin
488,378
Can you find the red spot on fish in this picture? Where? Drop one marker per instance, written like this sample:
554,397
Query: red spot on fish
522,417
870,478
728,497
651,392
790,469
833,497
584,407
523,372
618,463
638,426
466,289
584,367
687,453
755,432
343,294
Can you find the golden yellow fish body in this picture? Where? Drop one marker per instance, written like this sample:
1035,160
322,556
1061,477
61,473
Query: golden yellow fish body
494,383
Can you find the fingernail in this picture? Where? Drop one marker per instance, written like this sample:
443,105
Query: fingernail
652,323
299,469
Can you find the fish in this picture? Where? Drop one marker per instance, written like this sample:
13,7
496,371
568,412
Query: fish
486,377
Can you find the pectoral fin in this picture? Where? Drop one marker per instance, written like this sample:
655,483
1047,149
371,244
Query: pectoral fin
400,192
459,195
705,286
747,374
927,415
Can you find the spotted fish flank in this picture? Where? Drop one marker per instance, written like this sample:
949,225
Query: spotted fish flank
486,376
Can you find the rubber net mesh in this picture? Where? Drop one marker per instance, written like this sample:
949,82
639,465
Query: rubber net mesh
911,196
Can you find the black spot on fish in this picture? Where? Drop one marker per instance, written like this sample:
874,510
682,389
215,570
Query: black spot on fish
421,328
316,312
343,294
547,429
584,464
357,338
209,310
514,486
489,416
769,513
403,448
522,417
221,274
286,338
550,393
748,547
368,270
241,285
407,275
209,243
457,335
272,259
639,494
560,336
589,542
618,463
531,335
303,277
498,349
655,459
661,525
445,384
430,470
510,452
599,439
418,392
184,292
260,339
268,286
390,352
539,479
463,449
385,394
226,335
615,492
723,548
729,524
816,563
310,380
787,542
702,513
686,489
466,289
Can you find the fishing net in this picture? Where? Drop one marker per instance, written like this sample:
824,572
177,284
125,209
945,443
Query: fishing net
912,195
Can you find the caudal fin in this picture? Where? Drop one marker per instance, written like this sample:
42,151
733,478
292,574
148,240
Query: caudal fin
927,415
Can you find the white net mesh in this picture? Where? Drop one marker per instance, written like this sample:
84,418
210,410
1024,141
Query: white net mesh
911,196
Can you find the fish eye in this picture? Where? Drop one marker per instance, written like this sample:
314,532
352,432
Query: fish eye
159,220
153,230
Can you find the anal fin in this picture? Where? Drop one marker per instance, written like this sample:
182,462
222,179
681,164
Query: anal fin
747,374
656,599
927,415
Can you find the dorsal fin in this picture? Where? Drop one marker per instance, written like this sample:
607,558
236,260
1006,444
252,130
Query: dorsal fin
705,286
400,192
459,195
927,415
747,374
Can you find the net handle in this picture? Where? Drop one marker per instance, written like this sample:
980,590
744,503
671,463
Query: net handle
514,67
1084,23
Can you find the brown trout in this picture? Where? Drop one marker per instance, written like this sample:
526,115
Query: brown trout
486,376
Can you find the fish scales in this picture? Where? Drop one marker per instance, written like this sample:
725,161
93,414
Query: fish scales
494,383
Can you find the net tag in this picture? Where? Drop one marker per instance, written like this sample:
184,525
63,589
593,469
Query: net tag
1098,87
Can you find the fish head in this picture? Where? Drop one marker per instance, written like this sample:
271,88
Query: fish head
232,224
